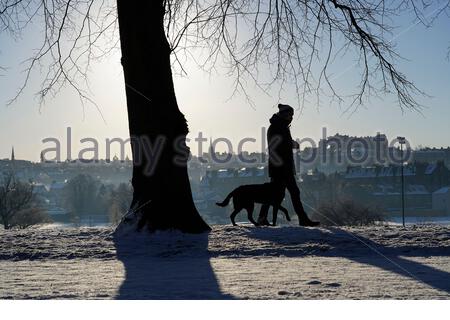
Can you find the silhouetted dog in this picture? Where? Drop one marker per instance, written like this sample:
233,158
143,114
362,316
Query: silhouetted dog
245,197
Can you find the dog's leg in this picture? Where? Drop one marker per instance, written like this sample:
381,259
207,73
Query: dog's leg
286,213
275,214
262,219
233,215
250,214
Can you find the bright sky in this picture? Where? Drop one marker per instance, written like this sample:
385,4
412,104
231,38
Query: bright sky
205,100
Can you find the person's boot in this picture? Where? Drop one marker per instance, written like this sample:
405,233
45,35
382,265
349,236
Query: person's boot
263,222
309,223
304,221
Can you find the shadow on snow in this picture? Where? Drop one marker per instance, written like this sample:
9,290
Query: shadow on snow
172,265
168,265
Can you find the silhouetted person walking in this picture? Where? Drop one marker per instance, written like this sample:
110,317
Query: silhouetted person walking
281,162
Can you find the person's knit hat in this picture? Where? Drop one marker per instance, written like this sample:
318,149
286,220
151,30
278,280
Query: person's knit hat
285,108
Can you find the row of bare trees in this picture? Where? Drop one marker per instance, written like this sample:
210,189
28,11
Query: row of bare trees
348,212
86,196
19,206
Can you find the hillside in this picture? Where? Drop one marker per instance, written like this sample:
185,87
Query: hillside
380,262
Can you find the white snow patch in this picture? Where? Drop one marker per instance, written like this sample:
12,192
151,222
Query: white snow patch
227,263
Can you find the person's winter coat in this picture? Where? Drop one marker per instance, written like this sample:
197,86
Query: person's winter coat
281,159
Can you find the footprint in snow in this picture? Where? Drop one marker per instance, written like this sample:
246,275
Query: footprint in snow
284,293
333,285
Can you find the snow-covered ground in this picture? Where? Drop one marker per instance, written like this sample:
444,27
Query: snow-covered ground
381,262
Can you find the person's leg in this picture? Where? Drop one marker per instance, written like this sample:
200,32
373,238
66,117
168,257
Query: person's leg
286,213
274,215
294,191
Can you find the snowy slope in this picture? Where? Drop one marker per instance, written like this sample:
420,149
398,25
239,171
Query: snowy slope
228,263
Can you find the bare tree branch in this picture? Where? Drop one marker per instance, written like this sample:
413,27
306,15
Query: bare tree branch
264,42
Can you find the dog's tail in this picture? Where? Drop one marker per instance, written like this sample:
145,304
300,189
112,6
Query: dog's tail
225,202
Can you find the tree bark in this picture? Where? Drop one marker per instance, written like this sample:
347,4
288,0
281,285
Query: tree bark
160,180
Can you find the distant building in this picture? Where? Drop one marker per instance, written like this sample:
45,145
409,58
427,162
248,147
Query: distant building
228,179
432,155
432,176
418,200
336,153
441,200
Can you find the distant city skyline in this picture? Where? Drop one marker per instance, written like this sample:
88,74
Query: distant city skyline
92,151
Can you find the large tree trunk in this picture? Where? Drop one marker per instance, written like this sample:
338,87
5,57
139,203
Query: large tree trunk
163,195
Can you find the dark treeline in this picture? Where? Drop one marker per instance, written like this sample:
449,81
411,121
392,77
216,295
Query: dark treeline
19,205
85,197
